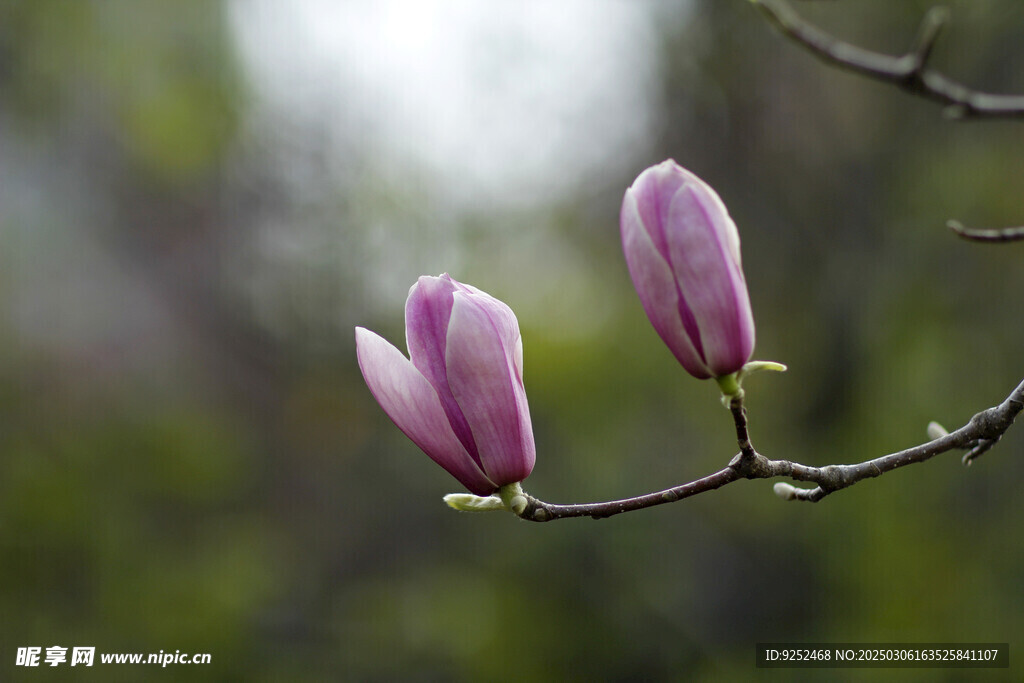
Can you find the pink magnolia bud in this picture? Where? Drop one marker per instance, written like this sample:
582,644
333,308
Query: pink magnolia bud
683,253
460,398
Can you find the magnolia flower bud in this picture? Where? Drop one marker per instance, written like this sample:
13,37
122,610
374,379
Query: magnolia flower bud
460,398
683,253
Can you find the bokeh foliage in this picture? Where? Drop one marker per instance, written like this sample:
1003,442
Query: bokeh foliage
191,461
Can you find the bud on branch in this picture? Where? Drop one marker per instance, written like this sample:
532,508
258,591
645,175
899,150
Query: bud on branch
683,253
460,396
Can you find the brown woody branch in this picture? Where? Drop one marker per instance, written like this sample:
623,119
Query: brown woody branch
977,436
909,72
987,235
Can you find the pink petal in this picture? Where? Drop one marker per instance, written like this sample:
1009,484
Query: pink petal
482,370
427,311
654,189
413,405
704,250
656,285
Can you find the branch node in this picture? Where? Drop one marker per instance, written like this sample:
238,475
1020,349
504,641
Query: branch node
834,477
752,465
990,424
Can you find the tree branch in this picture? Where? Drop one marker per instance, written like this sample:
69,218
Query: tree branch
909,72
977,436
987,235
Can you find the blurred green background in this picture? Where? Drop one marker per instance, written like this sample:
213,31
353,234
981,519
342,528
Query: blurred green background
200,200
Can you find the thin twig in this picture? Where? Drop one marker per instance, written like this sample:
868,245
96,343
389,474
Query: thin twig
739,418
909,72
539,511
987,235
977,436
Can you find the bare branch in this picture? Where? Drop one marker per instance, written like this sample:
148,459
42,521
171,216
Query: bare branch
931,26
987,235
539,511
977,436
909,72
